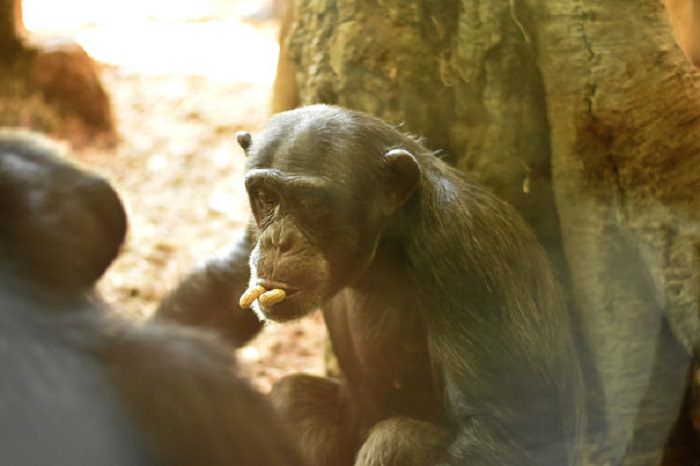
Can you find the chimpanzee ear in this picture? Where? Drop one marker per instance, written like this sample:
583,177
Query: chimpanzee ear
403,175
244,140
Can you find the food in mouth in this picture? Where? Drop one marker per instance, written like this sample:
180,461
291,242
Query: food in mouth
272,297
250,295
263,296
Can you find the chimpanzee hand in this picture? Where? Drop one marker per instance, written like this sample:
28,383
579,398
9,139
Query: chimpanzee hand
402,441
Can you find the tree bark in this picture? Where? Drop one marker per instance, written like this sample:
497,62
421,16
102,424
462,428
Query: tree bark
622,107
582,114
437,68
685,22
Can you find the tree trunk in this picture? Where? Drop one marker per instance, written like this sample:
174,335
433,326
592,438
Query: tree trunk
437,68
52,87
11,27
584,115
622,103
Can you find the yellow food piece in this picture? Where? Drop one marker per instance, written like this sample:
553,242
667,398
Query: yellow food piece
272,297
250,295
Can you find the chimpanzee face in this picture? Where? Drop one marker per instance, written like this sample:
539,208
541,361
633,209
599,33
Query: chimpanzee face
321,197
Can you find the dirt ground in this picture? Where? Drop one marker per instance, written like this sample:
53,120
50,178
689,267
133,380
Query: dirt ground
182,82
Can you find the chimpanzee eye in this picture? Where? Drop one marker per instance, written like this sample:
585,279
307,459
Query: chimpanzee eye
264,199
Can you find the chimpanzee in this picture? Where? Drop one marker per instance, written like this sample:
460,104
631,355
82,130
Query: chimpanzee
81,386
441,306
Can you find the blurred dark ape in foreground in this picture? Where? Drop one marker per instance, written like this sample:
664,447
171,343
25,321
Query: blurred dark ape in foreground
81,386
441,306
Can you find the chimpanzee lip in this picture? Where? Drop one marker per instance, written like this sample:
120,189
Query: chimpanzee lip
272,284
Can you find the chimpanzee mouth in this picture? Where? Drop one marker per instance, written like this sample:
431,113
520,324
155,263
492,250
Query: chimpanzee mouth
273,284
277,301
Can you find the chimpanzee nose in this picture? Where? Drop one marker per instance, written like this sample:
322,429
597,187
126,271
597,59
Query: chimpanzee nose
279,239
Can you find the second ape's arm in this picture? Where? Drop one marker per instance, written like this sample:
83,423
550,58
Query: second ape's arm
208,296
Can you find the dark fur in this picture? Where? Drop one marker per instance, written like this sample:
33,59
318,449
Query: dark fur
49,211
208,297
81,386
440,303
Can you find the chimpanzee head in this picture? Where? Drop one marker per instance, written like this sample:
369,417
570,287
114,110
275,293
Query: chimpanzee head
60,227
324,184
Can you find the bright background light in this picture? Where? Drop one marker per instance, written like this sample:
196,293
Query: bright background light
197,37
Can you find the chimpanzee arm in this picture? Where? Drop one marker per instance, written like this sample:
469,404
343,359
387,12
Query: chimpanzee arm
499,337
506,412
478,442
208,296
402,441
